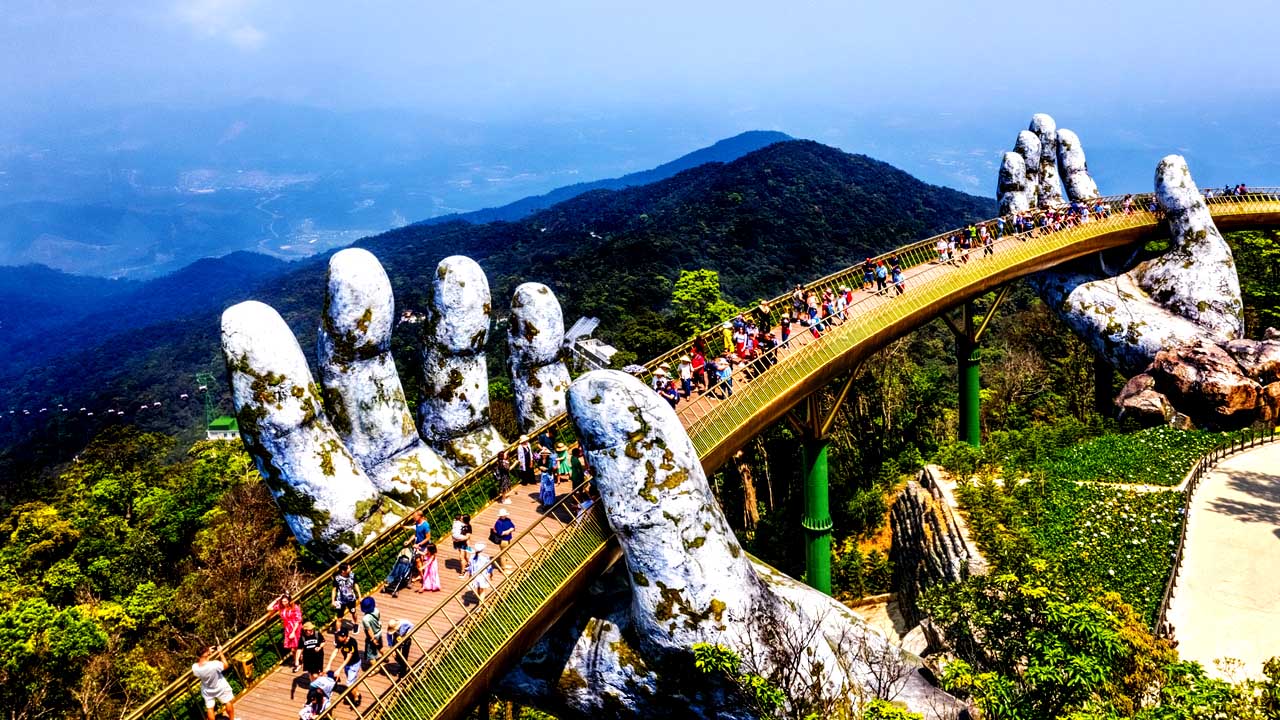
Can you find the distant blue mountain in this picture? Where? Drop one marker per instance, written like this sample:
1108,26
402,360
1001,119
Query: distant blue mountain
726,150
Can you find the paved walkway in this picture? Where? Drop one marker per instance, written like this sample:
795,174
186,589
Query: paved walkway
1227,604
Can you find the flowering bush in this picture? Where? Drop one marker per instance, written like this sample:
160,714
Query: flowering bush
1156,456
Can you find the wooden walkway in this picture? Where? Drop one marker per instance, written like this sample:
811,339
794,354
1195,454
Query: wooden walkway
281,693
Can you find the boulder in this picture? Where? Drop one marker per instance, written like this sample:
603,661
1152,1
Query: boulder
1203,381
1028,146
1271,334
1269,403
1046,131
1260,359
1147,407
535,340
1011,188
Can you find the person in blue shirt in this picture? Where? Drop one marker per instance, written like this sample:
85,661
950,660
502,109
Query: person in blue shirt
546,487
504,531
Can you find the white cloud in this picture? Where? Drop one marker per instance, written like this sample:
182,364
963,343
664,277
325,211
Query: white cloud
223,19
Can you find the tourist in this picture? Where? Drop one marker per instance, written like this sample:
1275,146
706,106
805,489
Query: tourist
501,535
502,472
784,326
685,371
525,460
999,227
546,488
988,243
461,536
324,684
214,688
670,393
882,273
965,245
546,441
346,592
371,621
868,273
660,377
941,246
290,613
311,644
563,469
398,638
725,368
578,466
430,569
315,704
480,569
421,530
699,363
347,650
898,283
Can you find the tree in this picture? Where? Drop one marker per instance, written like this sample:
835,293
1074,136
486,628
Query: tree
696,303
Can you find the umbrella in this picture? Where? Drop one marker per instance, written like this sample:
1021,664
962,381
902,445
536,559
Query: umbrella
635,369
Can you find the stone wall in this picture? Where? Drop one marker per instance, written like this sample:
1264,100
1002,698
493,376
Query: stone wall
930,542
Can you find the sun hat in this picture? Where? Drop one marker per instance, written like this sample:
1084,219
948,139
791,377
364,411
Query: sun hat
660,371
308,625
478,547
684,358
561,446
367,605
502,512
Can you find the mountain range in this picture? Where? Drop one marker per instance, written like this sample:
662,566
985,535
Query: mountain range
788,212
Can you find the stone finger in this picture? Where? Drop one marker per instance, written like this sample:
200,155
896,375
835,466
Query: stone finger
362,390
1048,190
1011,187
328,501
689,574
1075,171
1028,146
455,404
535,339
1197,277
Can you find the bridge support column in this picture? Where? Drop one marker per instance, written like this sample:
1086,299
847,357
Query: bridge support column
968,375
817,515
969,381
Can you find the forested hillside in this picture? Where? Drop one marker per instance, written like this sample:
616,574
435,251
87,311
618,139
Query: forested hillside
790,212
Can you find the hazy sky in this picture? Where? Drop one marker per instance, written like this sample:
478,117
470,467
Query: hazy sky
496,57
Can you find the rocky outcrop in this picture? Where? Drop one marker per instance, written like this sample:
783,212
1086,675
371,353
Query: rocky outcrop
455,403
1028,147
1139,400
929,548
689,581
1204,382
535,340
1259,359
362,389
327,499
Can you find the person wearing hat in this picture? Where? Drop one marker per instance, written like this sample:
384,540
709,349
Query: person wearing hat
563,469
503,532
726,334
480,568
347,649
311,645
396,639
525,460
685,370
659,378
371,621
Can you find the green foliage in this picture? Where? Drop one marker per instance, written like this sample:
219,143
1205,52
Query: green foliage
1257,256
696,303
131,563
880,710
718,661
1155,456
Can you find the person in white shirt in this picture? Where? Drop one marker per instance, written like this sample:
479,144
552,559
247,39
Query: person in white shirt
214,688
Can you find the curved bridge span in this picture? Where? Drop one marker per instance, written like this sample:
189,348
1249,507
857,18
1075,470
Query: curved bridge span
458,648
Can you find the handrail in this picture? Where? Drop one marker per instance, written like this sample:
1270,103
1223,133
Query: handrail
1246,440
721,420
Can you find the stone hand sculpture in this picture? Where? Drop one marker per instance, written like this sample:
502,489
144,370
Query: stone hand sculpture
1164,317
687,580
343,458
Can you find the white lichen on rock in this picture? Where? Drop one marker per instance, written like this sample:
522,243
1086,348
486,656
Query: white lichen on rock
455,404
326,498
363,395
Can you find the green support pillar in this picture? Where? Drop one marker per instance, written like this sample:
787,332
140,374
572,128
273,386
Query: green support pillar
969,381
817,515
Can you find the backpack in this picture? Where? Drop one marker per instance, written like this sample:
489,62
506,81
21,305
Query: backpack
494,537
